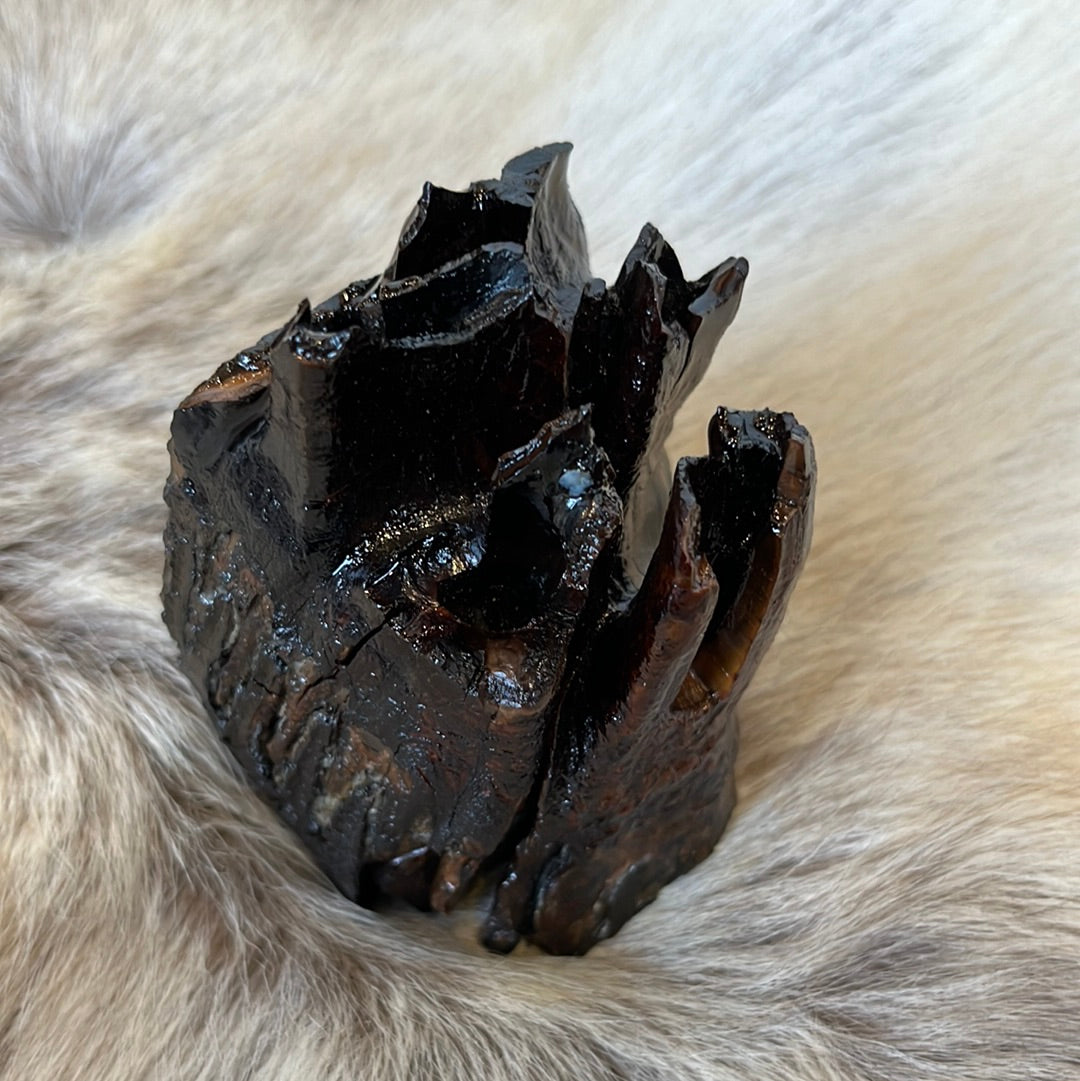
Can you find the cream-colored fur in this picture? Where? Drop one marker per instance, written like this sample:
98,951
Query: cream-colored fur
898,896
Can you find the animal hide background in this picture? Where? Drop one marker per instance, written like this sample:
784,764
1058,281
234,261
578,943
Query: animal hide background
897,895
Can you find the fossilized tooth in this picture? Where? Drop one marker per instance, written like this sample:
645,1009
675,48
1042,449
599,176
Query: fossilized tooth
417,568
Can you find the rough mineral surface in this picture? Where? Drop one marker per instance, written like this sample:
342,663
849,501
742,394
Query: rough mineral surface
419,571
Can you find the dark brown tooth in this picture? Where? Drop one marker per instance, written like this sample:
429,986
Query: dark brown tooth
419,565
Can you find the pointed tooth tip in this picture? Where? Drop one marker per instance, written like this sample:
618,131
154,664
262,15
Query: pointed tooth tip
731,279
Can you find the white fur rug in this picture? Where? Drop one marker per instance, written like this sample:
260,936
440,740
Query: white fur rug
898,896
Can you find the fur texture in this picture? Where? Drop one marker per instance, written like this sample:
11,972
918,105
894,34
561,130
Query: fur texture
898,896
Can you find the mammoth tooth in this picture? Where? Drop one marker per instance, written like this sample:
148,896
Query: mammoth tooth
421,569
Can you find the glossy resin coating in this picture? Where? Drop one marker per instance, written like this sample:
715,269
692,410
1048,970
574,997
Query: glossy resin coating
418,570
